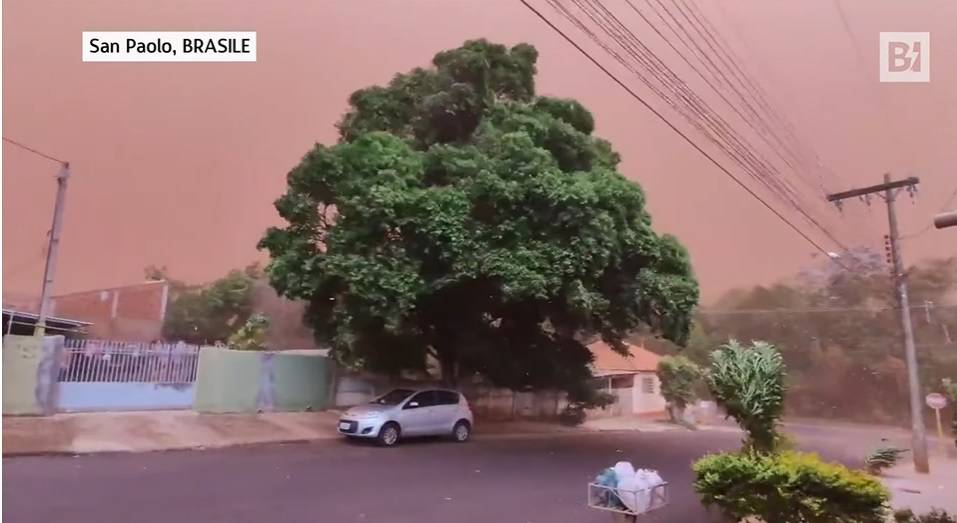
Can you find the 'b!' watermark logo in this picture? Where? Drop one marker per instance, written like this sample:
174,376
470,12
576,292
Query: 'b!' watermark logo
905,57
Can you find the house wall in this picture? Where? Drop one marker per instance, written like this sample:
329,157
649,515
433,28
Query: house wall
644,402
132,313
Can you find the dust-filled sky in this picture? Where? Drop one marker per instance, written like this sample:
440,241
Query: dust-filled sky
177,164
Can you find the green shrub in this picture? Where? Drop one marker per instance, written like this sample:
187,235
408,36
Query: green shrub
934,516
678,376
749,383
252,335
788,487
573,414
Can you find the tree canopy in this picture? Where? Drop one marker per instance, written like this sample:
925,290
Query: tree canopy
839,332
211,313
463,217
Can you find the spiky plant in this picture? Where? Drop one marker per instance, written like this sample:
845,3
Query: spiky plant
883,458
749,383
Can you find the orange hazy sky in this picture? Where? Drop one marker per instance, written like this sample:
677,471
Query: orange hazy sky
178,164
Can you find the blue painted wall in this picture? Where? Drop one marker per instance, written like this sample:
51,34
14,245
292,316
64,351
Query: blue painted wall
80,396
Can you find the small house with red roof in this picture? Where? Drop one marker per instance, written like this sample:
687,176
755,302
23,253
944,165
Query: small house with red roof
631,377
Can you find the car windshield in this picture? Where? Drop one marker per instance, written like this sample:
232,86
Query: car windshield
393,397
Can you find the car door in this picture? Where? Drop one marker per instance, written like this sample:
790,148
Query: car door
417,412
445,411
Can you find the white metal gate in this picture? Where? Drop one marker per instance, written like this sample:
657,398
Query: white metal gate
112,375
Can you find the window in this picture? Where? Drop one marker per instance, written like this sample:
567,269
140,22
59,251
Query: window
446,397
648,385
425,398
622,382
393,397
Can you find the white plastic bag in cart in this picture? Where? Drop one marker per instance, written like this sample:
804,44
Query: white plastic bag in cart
623,469
648,480
634,489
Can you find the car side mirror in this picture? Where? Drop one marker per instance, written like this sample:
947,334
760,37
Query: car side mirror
412,405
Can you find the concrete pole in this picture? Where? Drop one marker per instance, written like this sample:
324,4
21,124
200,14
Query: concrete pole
52,250
918,430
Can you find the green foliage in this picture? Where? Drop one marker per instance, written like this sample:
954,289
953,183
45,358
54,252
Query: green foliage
788,487
156,273
839,330
679,377
463,217
212,313
883,458
749,383
252,335
934,516
950,388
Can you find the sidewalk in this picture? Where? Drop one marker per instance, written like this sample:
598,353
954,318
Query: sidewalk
158,430
922,492
630,423
93,432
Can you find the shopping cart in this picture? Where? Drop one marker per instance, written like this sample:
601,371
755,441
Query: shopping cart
627,505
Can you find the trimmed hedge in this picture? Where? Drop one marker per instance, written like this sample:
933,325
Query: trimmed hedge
788,487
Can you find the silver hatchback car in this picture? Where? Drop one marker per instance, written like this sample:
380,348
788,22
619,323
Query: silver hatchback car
410,412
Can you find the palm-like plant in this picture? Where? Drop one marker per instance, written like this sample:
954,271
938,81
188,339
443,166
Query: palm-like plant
749,383
883,458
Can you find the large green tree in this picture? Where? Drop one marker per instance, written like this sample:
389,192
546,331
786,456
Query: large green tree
463,217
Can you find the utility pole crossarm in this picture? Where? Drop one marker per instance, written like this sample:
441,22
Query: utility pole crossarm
906,182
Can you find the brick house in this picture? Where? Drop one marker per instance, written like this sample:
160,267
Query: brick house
132,312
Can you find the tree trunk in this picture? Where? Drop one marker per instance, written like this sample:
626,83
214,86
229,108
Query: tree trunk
449,370
676,413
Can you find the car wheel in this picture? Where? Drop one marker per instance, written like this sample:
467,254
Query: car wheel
389,434
462,431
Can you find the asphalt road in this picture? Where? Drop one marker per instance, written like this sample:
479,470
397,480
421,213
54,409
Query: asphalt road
523,479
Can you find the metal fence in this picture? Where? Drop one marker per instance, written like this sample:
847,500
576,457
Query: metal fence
137,362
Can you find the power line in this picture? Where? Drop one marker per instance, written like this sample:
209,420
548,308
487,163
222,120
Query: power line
945,207
676,130
727,56
765,100
34,151
734,146
766,127
819,310
674,48
740,151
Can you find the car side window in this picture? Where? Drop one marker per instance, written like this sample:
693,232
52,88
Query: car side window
424,399
447,397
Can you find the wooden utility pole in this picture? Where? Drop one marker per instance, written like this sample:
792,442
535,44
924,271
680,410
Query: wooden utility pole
888,191
52,250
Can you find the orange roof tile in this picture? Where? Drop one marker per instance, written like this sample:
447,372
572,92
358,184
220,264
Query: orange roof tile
607,361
